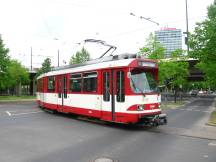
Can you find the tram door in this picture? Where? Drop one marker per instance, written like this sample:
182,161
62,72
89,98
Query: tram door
108,99
113,90
62,91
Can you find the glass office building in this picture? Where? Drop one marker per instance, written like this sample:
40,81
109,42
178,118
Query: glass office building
170,39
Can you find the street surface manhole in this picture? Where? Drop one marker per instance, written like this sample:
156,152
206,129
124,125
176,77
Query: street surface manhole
103,159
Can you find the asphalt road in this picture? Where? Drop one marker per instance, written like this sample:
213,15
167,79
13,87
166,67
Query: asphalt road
28,134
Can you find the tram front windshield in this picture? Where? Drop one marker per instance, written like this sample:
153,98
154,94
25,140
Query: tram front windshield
143,81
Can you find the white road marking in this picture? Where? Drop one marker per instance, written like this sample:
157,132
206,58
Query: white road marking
33,112
212,143
9,114
181,109
205,156
189,109
206,111
197,110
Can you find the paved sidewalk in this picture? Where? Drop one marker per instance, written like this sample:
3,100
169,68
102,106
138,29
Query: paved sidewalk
200,129
203,133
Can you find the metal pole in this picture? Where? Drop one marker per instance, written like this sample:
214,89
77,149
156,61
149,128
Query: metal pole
187,40
31,58
58,57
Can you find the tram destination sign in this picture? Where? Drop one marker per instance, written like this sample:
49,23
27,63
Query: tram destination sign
147,64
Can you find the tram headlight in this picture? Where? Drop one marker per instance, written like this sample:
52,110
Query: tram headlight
140,107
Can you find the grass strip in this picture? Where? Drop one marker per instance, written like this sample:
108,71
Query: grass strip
16,98
212,120
169,105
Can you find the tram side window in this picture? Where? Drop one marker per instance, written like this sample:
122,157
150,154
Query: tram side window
90,82
51,83
120,86
75,82
106,86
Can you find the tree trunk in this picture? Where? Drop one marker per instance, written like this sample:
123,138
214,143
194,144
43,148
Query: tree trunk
175,95
18,89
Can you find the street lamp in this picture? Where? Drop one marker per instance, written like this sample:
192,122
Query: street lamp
187,31
58,50
31,59
58,57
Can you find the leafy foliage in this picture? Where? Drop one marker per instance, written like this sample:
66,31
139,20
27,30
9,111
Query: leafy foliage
4,61
17,74
171,70
80,57
12,72
153,49
46,67
202,43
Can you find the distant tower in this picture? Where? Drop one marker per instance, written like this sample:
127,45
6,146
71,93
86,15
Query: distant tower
170,39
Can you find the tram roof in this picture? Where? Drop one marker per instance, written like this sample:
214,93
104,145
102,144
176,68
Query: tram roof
122,60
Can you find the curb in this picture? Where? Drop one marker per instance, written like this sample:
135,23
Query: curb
175,106
211,124
212,110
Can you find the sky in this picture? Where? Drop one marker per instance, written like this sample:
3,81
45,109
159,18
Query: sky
49,26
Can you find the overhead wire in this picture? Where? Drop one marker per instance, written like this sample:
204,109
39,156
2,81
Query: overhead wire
107,8
150,27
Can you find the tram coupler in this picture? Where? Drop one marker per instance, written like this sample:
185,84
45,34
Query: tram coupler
162,119
157,120
153,120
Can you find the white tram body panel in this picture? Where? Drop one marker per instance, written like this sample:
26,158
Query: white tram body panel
94,102
129,107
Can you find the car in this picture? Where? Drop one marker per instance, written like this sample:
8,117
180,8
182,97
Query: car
193,92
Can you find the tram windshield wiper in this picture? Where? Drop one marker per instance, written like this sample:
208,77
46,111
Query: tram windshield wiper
136,87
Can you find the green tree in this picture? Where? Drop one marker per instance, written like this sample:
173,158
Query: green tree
178,54
173,71
4,62
153,49
80,57
202,44
46,67
17,73
178,68
170,69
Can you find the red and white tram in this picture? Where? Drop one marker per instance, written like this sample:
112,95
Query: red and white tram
120,88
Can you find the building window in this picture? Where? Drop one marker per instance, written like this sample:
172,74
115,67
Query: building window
75,82
90,82
51,83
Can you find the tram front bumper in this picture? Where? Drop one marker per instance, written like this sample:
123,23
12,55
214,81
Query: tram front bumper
162,119
153,120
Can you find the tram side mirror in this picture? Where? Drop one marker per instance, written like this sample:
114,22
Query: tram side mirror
129,74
